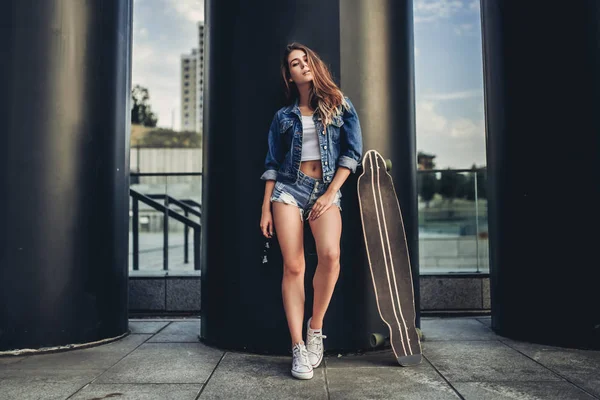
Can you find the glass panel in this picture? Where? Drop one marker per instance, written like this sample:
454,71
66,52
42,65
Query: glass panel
449,82
186,189
450,222
482,231
150,225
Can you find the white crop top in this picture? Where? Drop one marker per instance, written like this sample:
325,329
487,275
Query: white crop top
310,141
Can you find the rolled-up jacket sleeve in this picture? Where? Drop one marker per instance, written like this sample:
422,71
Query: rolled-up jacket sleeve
351,139
274,153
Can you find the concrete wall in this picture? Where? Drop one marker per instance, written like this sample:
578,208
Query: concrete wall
439,293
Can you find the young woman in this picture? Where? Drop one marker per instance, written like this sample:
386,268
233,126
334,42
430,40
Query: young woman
314,144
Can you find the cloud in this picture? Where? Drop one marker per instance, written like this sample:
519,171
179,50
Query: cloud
429,122
434,10
466,128
457,142
474,5
465,30
431,10
462,95
191,10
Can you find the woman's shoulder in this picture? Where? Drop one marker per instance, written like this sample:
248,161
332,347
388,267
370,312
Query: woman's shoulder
282,112
347,105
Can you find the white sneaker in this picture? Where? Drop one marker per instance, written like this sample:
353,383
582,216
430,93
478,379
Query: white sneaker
301,367
314,345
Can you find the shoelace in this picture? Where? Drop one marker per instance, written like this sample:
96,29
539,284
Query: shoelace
314,339
302,358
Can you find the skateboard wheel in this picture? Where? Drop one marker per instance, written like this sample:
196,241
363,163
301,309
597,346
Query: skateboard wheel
388,164
376,340
420,333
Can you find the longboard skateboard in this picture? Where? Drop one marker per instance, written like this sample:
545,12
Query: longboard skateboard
387,254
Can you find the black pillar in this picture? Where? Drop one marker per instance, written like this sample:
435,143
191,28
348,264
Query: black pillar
241,296
65,78
542,77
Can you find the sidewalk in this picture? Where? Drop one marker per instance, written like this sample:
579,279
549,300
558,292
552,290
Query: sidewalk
163,359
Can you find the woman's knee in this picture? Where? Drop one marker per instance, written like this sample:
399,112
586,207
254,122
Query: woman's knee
330,256
294,267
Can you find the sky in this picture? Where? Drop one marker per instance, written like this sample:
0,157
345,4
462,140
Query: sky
448,71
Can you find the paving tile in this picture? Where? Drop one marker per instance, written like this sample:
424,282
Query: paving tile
370,359
520,390
43,384
98,357
418,382
182,331
146,327
138,392
247,376
8,361
456,329
483,361
165,363
581,367
487,321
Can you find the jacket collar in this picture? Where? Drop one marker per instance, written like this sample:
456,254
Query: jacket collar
294,109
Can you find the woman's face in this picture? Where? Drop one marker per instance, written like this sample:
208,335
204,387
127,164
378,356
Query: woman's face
298,65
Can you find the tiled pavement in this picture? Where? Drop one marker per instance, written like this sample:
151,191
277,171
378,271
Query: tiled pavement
163,359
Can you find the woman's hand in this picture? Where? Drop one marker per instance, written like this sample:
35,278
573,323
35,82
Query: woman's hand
266,223
321,205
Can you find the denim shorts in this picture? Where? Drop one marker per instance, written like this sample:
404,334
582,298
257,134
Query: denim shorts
303,193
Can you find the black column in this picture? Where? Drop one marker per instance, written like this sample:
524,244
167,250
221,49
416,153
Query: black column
542,76
65,79
241,296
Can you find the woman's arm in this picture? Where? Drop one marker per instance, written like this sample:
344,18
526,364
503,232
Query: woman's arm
326,200
275,152
266,219
351,139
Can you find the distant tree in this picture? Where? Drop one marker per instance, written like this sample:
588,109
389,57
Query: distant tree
469,188
469,184
449,184
141,111
425,161
427,183
482,184
159,138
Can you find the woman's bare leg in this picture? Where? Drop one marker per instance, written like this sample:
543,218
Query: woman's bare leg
327,230
289,229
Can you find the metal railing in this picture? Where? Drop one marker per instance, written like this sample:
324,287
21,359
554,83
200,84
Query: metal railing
163,203
452,218
453,233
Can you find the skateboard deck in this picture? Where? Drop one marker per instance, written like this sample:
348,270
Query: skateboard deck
387,255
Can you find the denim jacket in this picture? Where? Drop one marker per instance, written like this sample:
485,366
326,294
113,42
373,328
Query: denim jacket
340,144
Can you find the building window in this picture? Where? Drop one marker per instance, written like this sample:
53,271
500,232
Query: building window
187,76
187,115
186,99
187,84
187,91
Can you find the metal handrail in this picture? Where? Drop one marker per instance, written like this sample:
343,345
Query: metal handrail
167,212
187,206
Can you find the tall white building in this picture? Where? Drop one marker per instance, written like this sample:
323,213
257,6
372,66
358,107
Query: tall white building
192,83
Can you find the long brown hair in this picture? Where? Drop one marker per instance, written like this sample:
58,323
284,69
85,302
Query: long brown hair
324,97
